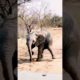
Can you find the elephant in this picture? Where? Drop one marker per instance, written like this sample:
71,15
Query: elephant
33,40
8,49
71,47
8,43
43,43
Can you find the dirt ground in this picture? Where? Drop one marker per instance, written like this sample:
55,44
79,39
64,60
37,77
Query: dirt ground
47,65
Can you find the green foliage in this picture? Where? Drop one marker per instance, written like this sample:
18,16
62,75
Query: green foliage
56,21
53,21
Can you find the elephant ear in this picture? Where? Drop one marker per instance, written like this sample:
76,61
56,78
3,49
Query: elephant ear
40,40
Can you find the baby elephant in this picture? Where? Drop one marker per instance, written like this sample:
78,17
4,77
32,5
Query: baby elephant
43,42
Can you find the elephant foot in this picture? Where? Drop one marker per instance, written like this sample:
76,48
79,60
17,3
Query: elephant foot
30,60
38,59
53,57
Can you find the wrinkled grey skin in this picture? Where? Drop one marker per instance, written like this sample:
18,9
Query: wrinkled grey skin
8,48
71,47
8,45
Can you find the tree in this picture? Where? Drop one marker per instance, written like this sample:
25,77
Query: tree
56,21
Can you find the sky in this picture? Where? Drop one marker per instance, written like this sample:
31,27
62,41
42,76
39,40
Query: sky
53,6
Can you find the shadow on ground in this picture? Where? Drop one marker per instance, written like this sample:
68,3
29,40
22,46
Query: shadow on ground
21,61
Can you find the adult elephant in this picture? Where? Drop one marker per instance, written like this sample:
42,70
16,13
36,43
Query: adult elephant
8,48
71,47
8,40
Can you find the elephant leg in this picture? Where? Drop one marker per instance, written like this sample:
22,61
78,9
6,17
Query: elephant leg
7,67
1,72
32,46
51,53
14,62
70,65
41,55
30,52
72,71
6,60
40,52
66,75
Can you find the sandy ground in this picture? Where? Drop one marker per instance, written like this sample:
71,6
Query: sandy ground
47,65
